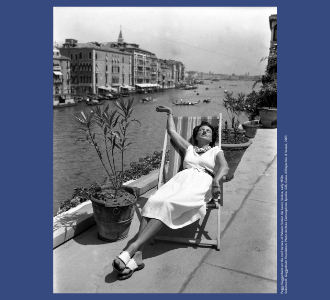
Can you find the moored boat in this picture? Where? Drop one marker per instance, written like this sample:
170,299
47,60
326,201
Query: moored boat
186,103
61,105
94,102
146,100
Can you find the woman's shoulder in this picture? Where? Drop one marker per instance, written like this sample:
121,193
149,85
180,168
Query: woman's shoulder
216,150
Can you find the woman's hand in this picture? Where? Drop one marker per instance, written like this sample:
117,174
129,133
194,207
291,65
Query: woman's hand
162,108
216,192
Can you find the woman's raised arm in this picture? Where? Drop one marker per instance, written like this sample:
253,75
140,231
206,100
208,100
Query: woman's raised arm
177,138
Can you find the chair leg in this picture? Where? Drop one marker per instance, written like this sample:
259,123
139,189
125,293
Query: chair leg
219,231
138,212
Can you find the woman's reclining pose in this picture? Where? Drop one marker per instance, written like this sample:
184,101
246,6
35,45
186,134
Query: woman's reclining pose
182,200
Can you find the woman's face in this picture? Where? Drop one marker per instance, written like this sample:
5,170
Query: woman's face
204,133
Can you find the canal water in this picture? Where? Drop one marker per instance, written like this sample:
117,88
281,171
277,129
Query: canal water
77,165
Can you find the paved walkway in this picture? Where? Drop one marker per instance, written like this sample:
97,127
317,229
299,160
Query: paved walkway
246,262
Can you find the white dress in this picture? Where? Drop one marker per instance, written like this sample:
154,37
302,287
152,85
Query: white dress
182,200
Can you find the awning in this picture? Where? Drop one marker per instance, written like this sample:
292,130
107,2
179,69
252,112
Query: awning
57,73
146,85
107,88
128,87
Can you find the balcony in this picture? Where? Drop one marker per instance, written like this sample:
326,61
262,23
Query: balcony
56,68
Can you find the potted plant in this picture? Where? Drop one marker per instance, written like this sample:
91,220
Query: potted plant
250,108
268,94
233,141
106,131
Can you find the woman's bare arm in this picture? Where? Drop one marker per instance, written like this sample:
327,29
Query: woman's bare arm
177,138
222,171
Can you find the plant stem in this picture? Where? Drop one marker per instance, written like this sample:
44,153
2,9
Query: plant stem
97,150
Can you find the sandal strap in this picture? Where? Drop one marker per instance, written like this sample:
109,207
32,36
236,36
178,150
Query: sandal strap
132,265
124,257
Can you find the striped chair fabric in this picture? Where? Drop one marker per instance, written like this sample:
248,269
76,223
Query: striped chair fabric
185,126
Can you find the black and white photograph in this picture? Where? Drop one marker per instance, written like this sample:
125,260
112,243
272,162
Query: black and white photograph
165,175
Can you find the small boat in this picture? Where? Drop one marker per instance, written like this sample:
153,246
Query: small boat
146,100
78,99
207,100
185,103
206,88
94,102
225,91
61,105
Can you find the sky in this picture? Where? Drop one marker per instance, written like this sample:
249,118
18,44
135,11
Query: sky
222,40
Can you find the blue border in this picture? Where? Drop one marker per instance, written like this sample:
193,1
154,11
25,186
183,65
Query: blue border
27,140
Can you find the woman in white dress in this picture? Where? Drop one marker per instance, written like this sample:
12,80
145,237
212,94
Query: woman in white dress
182,200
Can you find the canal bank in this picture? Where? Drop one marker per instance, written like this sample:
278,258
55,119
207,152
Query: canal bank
246,262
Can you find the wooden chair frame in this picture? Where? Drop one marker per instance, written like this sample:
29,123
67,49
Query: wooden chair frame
185,130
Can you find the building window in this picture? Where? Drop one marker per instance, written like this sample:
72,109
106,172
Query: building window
123,60
80,55
76,56
106,68
90,55
106,78
71,55
95,55
275,33
106,57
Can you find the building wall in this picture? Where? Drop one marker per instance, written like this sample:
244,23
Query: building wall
273,35
95,67
61,83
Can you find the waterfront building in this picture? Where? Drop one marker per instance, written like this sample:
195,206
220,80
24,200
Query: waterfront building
61,77
154,69
147,69
97,68
273,37
177,71
143,65
165,74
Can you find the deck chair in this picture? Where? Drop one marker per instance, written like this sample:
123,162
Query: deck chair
185,126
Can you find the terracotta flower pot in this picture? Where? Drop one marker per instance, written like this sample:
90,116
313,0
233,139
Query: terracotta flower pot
113,218
233,154
268,117
250,128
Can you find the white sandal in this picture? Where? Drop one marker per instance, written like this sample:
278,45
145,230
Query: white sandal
132,266
124,257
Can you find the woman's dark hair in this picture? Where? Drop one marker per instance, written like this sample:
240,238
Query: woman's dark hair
214,133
